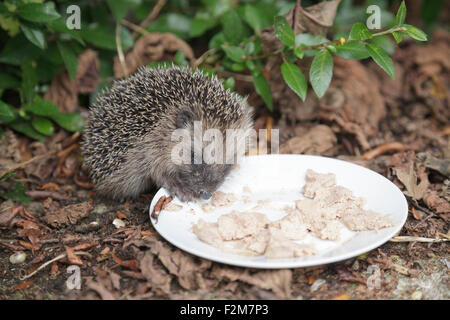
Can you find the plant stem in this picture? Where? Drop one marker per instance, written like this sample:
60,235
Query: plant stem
322,45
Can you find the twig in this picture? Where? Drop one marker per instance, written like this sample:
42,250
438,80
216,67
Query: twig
61,256
41,194
203,57
134,27
388,31
152,16
385,148
120,51
416,239
25,163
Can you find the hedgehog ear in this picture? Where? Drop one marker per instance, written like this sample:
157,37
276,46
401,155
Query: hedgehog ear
184,118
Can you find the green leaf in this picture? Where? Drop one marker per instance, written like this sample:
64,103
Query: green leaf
262,88
259,15
295,79
120,8
180,58
104,37
17,49
7,113
34,34
59,25
250,64
352,50
175,23
238,67
430,10
42,107
43,125
8,81
27,129
70,121
415,33
9,174
216,41
283,31
233,28
381,58
38,12
359,32
18,194
229,83
401,14
307,39
69,58
234,53
254,18
397,36
299,53
331,48
384,42
29,81
321,72
199,26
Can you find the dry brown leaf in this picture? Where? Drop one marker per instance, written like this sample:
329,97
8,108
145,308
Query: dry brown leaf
315,19
149,48
64,92
181,264
317,141
101,288
85,245
438,204
10,154
156,277
279,281
22,285
57,216
72,257
409,180
7,217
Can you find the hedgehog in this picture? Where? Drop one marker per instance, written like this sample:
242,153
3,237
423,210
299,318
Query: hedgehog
128,142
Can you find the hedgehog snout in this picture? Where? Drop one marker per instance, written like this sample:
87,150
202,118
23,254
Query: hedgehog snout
204,194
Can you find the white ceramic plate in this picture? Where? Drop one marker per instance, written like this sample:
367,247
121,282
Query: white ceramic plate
279,179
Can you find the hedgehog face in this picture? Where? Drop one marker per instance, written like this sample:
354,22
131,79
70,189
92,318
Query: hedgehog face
201,180
202,175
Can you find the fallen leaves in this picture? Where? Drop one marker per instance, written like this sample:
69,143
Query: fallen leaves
58,216
318,140
279,281
64,92
409,179
149,48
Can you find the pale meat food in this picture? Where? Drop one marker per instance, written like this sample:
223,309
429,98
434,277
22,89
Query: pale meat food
238,225
173,207
324,213
222,199
292,226
208,232
317,181
207,208
279,246
366,220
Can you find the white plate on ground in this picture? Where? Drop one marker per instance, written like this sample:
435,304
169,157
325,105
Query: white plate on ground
279,179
